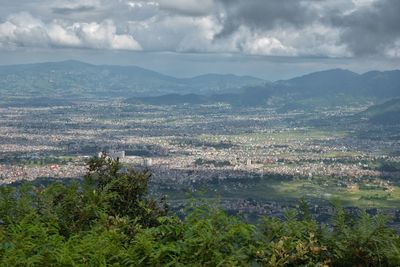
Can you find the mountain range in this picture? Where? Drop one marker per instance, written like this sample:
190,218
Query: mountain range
331,87
75,79
379,84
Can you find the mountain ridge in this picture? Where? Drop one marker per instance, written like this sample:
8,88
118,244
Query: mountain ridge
329,87
71,77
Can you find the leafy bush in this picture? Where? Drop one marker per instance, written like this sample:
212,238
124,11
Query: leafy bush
108,219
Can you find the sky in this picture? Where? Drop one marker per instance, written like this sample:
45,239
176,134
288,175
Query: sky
271,39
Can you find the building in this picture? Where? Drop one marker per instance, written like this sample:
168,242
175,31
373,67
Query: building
114,154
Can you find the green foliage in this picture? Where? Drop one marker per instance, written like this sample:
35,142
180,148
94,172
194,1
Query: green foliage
363,240
109,220
292,242
125,190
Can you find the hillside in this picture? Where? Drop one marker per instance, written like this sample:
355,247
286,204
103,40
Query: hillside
221,83
324,88
379,84
74,79
386,113
317,83
78,79
248,97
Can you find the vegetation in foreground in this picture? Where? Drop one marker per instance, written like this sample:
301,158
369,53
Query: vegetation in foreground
110,220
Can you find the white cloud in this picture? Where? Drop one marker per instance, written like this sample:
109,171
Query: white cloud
359,3
393,51
171,33
267,46
125,42
63,36
24,30
315,39
104,35
201,37
174,33
192,26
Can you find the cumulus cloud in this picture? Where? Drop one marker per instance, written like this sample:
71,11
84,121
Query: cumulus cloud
176,33
263,15
373,28
309,27
60,36
266,45
24,30
340,28
103,35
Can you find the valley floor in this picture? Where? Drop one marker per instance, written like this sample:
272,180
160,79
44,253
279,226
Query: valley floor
254,159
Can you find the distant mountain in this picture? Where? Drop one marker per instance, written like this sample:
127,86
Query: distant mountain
380,84
324,88
78,79
222,83
386,113
317,83
75,79
251,97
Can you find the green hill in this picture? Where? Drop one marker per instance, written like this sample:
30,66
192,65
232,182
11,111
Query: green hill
78,79
386,113
325,88
74,79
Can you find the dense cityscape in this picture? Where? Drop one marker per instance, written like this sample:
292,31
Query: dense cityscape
256,156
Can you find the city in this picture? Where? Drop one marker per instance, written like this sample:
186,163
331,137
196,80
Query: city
235,153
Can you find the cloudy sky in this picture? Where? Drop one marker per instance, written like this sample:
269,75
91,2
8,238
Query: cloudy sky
272,39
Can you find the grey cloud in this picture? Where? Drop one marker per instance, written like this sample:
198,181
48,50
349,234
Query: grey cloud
330,28
70,10
364,28
187,7
372,29
264,15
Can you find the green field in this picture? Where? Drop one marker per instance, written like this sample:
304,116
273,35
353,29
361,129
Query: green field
292,191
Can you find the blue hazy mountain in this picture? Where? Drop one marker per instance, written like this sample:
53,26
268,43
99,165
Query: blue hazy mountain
331,87
378,84
317,83
77,79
